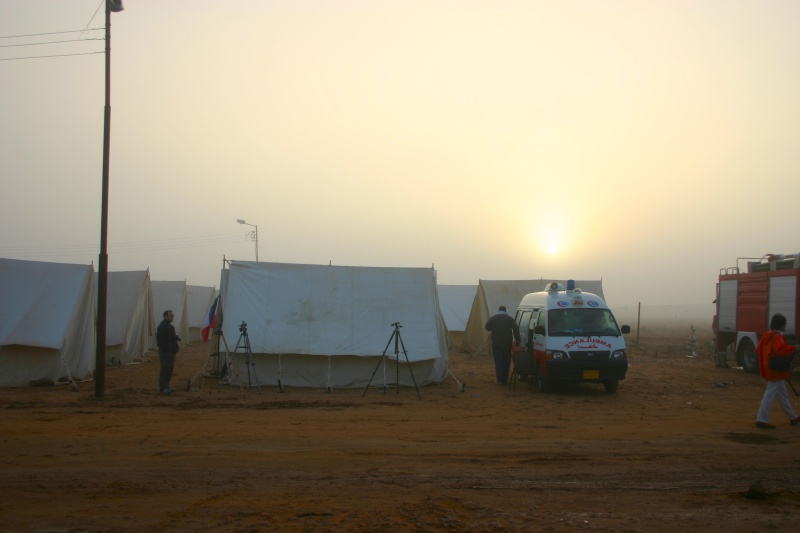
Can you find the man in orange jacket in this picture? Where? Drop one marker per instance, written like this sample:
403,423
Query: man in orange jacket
773,344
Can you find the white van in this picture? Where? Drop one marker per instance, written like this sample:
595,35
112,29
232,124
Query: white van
569,336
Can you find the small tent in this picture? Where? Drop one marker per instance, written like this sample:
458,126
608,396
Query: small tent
491,294
455,302
128,315
47,313
198,302
328,326
169,295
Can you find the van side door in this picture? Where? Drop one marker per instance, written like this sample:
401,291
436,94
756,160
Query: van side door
538,341
523,319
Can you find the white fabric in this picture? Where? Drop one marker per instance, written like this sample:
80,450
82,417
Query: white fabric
313,312
198,302
456,302
491,294
169,295
128,318
47,315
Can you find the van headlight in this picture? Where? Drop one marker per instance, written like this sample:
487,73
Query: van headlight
619,354
557,355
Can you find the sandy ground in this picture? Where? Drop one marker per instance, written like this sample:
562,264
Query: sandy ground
669,451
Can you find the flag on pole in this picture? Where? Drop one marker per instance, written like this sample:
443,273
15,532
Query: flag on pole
210,320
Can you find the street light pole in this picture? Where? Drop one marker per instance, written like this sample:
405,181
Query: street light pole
102,275
255,234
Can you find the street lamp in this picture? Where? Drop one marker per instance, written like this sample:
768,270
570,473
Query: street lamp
253,233
114,6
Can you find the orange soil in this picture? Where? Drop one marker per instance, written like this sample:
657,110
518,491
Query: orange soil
669,451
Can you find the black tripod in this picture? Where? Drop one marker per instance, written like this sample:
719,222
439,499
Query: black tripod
398,342
244,343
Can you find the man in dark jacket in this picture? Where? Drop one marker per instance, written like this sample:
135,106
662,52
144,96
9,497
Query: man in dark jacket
167,341
504,333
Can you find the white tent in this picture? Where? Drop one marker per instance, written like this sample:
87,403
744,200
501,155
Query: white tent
492,294
47,322
198,302
455,302
169,295
128,315
328,326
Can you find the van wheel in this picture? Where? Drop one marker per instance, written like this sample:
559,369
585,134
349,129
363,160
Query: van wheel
611,386
542,384
747,354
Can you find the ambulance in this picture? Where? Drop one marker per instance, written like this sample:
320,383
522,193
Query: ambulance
569,336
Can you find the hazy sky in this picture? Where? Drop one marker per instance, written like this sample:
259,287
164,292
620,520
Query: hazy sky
647,143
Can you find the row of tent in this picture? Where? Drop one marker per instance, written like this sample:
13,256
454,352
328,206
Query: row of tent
306,325
48,314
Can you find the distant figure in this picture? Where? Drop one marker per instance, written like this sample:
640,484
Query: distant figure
773,343
504,333
167,341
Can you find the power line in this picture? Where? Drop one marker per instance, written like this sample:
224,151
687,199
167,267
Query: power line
177,243
52,42
54,55
85,30
182,239
49,33
102,2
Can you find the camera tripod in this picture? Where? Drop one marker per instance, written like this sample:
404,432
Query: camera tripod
244,344
398,343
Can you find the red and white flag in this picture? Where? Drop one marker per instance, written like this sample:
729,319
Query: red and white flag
210,321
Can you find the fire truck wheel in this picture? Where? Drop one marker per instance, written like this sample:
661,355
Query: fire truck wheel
611,386
748,357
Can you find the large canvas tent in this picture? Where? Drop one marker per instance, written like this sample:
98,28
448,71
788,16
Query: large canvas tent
198,302
129,317
491,294
328,326
455,302
47,313
169,295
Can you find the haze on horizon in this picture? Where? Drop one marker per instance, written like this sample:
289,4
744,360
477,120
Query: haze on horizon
647,144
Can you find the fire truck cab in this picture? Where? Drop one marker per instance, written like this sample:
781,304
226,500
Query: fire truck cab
571,336
747,300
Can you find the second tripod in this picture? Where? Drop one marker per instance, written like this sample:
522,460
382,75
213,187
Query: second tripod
244,344
398,343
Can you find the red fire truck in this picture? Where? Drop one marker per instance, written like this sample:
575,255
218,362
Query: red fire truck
746,301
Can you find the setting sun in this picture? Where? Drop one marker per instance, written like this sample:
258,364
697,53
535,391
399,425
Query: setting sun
550,240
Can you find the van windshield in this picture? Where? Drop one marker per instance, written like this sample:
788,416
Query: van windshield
581,322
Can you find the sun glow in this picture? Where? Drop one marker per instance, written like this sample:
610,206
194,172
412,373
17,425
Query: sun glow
551,241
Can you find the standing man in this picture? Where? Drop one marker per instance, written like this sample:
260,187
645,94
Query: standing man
504,333
773,344
167,341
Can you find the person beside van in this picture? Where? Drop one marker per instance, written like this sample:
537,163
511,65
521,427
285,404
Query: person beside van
773,344
505,332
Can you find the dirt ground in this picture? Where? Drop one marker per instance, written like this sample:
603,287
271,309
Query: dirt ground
674,449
